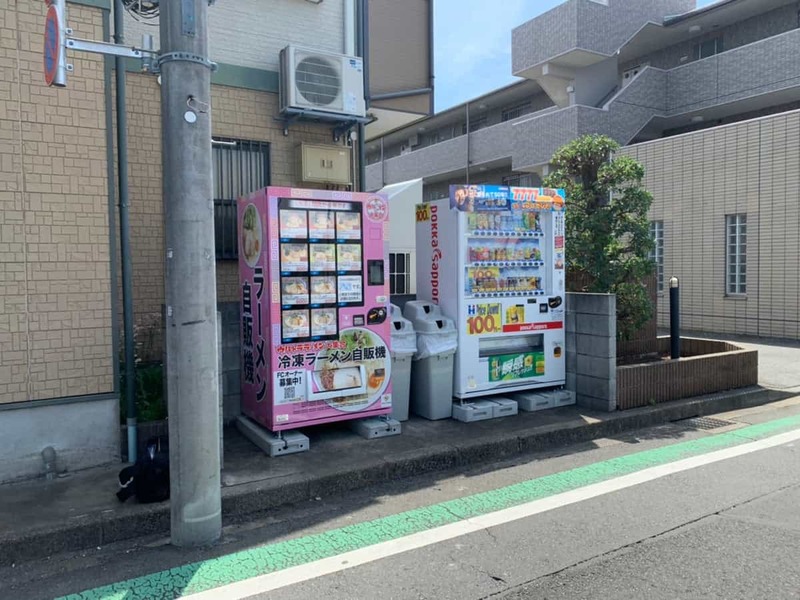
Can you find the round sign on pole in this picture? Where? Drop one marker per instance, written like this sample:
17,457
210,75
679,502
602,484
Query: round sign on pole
52,44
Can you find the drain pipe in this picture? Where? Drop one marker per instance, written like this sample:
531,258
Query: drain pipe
349,27
361,51
125,234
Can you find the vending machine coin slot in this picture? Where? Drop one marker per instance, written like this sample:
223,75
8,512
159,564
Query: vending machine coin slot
376,316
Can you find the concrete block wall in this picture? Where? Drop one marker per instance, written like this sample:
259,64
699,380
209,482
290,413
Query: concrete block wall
591,327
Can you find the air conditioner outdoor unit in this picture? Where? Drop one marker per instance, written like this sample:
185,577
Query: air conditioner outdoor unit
322,82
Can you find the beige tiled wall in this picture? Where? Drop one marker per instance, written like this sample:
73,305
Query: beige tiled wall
236,113
697,179
55,309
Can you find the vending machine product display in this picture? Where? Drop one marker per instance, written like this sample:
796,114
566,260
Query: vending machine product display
315,307
493,258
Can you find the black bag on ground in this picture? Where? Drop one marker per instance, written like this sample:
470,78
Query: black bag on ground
148,479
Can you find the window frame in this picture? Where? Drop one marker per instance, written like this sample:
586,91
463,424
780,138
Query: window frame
657,254
394,273
225,197
736,255
516,180
475,124
697,48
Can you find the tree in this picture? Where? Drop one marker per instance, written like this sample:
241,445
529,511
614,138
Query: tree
608,234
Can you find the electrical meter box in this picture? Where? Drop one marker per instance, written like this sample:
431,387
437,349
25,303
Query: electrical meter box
325,164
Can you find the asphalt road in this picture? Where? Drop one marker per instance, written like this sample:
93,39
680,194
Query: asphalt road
726,529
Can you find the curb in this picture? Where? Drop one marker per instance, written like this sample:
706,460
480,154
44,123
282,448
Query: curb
243,501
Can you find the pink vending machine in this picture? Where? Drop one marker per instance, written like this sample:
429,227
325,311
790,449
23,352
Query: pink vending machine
315,307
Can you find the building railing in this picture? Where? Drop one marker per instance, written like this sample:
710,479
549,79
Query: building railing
486,144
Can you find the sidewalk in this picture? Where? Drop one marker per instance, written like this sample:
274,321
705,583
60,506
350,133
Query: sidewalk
42,518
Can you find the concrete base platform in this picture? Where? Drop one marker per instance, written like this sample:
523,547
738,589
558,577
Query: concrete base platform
536,401
564,398
505,407
376,427
470,412
42,518
274,444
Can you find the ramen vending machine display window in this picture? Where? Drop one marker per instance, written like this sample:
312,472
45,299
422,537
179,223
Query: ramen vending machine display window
315,299
493,258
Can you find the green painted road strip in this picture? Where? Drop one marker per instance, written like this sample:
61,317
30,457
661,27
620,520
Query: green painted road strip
240,566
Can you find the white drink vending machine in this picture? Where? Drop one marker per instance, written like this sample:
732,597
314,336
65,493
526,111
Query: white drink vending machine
492,258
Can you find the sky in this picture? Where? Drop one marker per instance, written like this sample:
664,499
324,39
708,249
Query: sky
473,44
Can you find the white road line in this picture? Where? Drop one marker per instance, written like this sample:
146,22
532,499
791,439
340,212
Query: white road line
349,560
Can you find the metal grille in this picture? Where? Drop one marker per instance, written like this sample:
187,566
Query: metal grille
318,80
515,112
705,423
240,168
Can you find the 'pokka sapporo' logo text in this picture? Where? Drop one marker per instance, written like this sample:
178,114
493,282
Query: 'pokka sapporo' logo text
436,254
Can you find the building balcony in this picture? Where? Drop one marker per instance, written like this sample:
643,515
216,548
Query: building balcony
441,158
579,33
748,78
765,67
622,117
487,146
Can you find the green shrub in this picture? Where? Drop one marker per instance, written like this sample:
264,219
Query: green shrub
608,234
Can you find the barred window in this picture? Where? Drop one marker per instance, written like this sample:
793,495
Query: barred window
514,112
400,273
240,168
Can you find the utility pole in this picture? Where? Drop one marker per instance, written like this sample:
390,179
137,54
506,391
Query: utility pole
191,297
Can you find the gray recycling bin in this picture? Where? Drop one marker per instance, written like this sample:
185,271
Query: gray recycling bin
404,346
432,369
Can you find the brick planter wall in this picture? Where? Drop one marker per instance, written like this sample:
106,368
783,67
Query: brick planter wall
707,367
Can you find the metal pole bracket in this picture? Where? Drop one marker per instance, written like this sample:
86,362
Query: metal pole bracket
184,57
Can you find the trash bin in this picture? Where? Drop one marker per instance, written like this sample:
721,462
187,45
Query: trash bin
404,346
418,310
432,368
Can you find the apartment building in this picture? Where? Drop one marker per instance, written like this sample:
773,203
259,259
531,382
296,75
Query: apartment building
60,308
705,98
